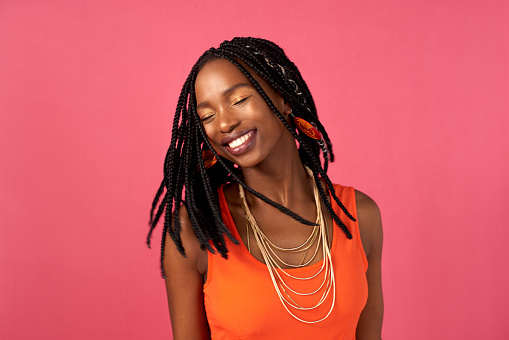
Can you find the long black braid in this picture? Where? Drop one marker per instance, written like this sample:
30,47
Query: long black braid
184,166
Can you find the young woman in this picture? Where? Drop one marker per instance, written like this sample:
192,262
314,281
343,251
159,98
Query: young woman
257,242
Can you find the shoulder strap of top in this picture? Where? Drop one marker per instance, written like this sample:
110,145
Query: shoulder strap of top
347,196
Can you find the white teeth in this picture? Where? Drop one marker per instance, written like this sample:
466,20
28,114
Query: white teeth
239,141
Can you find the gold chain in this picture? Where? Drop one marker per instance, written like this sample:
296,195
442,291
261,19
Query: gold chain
274,262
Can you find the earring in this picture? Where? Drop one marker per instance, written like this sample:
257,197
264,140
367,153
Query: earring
306,128
209,159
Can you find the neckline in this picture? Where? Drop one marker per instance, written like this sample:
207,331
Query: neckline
233,228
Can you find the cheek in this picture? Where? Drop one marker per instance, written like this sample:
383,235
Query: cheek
208,129
213,141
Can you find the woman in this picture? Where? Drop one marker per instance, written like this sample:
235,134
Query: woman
264,245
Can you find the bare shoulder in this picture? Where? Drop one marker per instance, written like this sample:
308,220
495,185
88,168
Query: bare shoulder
195,256
189,239
370,222
370,227
366,205
184,283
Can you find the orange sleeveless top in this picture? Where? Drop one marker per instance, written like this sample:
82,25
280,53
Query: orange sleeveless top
241,301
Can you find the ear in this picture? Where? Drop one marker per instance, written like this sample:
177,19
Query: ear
287,108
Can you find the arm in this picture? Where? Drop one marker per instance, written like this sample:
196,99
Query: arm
184,284
370,226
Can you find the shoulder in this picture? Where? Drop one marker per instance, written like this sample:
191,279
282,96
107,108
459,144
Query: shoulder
370,227
370,222
187,234
184,283
366,205
195,256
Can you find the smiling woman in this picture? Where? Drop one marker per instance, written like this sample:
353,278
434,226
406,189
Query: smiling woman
246,139
235,116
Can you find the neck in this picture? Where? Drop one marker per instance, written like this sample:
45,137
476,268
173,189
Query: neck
282,179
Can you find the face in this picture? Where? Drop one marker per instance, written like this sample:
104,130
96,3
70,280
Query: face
239,124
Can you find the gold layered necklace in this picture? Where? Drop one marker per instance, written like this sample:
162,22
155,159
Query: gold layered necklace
274,262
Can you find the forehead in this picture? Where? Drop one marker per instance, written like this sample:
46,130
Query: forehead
219,74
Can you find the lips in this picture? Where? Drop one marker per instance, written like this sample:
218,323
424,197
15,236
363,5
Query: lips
239,142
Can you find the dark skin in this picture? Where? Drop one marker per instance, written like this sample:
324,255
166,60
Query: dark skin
229,105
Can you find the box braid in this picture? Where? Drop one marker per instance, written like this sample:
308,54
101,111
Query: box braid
184,166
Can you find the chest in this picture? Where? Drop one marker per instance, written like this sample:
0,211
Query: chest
241,301
282,231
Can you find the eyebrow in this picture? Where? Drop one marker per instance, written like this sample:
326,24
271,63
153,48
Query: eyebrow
225,93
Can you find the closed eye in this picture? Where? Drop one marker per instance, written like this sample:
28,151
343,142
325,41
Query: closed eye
206,117
241,101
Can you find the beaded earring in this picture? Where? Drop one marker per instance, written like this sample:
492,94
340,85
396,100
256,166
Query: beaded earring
209,159
305,127
309,130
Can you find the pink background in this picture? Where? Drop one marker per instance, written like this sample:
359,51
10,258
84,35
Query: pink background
415,95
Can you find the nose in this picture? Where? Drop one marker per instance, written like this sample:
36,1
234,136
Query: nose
228,120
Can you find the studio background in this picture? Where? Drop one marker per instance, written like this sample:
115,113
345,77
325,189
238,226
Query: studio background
414,94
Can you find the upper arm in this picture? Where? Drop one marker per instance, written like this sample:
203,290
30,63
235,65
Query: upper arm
184,284
370,226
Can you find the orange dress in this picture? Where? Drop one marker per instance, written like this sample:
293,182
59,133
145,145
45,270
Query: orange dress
241,301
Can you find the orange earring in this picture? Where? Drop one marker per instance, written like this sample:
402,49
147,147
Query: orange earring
208,158
306,128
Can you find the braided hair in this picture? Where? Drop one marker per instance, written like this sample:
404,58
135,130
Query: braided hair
184,166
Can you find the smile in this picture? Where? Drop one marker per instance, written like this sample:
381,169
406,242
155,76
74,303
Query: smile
241,140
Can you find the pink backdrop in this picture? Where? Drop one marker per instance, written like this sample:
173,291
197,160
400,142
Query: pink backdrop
415,95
